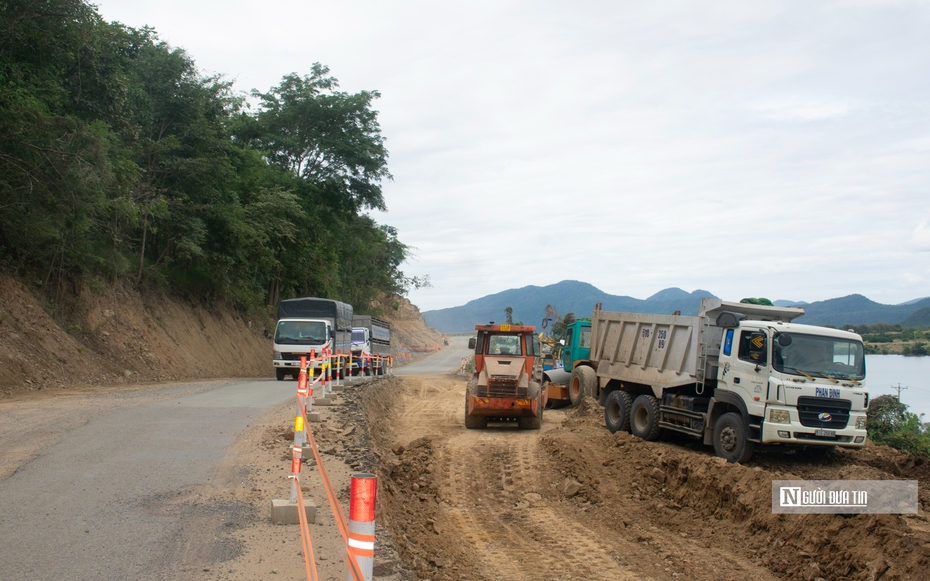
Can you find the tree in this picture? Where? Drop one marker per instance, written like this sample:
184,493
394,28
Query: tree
890,424
509,312
324,136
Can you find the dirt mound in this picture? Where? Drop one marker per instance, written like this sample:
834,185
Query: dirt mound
678,486
408,329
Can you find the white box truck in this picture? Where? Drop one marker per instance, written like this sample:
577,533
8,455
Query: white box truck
735,375
310,324
370,337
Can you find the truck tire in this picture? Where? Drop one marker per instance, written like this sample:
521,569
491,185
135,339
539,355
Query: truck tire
474,422
617,411
583,384
644,417
730,438
279,373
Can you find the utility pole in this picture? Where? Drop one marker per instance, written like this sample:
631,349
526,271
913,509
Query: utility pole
899,388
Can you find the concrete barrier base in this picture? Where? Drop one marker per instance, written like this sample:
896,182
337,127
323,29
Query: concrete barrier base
324,401
314,417
283,512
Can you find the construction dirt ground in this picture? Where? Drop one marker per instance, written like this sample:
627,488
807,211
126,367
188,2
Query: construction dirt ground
569,502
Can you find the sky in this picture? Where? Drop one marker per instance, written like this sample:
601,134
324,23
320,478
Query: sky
773,149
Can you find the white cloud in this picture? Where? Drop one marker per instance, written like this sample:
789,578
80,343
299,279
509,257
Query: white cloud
750,149
920,238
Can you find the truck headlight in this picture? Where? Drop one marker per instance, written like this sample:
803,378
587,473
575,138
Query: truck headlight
277,355
860,422
779,417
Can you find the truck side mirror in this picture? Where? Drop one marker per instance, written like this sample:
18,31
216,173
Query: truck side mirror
784,339
472,342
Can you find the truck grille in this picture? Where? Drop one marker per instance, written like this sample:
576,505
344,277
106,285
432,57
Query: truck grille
502,386
811,408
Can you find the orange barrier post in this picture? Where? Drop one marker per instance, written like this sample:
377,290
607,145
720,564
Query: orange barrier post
362,523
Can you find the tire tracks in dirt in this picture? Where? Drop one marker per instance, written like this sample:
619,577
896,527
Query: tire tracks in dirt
486,484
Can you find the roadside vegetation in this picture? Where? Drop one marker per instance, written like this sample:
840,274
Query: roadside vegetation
890,424
885,339
120,160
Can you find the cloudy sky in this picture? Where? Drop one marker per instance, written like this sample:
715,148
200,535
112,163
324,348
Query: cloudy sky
776,149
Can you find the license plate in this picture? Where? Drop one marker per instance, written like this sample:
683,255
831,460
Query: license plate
825,433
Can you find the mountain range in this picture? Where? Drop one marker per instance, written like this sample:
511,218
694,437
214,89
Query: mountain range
572,296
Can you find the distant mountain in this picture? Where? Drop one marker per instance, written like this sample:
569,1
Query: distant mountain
919,318
858,310
789,303
676,294
572,296
569,296
913,301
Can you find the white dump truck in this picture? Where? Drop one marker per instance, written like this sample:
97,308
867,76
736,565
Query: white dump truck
311,324
735,375
371,341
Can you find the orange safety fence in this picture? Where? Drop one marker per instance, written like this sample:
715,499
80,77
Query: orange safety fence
304,401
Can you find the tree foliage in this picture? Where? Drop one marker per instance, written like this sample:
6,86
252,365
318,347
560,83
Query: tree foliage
118,158
890,424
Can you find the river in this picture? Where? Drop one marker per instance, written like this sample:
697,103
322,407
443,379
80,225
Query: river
885,371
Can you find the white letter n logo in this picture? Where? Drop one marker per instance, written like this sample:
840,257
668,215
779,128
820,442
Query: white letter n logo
790,495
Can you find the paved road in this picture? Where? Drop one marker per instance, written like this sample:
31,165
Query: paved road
116,489
449,359
116,496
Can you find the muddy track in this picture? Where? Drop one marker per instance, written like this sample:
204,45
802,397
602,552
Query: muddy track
573,502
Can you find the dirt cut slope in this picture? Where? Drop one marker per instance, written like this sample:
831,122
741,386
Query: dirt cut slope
117,336
121,336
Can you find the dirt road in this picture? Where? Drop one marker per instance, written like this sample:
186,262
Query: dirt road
576,502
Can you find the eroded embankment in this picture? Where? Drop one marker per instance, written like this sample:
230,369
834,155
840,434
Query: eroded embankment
576,502
631,483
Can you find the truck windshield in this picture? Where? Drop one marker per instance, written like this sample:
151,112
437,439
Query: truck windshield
358,336
300,333
585,341
820,356
504,345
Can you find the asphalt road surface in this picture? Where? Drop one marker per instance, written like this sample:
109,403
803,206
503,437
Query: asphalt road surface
113,485
448,359
115,496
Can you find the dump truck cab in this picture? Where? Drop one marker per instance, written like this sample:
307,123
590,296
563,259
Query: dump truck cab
502,388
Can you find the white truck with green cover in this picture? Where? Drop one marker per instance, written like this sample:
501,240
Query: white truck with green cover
735,375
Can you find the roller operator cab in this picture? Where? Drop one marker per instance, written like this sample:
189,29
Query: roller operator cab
502,386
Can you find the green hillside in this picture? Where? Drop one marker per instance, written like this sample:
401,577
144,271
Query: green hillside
120,159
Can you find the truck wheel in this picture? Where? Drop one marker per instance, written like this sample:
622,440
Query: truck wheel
279,373
582,385
474,422
644,417
730,441
617,411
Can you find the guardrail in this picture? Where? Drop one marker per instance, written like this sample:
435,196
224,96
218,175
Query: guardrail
359,534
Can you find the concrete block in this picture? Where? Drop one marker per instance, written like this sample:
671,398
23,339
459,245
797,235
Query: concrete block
283,512
324,401
314,417
338,388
